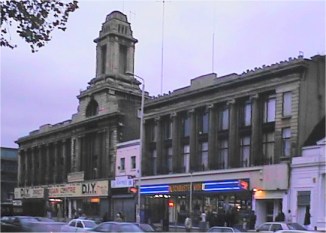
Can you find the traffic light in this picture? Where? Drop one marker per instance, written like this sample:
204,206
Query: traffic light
171,204
132,190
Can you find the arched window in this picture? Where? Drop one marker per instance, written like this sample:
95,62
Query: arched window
92,108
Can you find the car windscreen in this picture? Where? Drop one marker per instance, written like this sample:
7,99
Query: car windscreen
89,224
296,226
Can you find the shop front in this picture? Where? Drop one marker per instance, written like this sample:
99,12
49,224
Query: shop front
231,198
81,198
123,198
31,201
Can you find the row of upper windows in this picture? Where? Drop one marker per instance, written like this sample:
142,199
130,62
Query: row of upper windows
122,166
268,155
245,116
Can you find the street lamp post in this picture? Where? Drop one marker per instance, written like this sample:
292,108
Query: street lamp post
140,144
190,197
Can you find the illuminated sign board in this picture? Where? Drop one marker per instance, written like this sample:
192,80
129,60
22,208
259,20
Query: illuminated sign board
227,185
210,186
154,189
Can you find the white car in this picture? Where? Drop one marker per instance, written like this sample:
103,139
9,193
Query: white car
80,225
270,227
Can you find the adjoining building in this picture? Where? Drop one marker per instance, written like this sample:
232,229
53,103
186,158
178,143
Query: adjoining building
9,164
65,168
224,144
123,187
307,186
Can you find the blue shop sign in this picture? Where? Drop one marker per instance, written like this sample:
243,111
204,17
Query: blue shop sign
209,186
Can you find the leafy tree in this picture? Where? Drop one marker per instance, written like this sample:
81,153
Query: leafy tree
33,20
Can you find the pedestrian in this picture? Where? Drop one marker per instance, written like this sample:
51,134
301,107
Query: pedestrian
289,217
252,220
307,217
280,217
105,217
188,224
118,217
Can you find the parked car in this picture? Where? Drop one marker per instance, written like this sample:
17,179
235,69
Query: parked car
80,225
224,229
117,227
276,226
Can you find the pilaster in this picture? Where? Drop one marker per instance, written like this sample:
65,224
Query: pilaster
160,162
212,137
233,135
256,129
176,159
193,140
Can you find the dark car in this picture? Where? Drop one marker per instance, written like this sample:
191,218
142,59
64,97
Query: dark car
116,227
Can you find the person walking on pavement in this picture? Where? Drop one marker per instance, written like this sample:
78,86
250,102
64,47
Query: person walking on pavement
188,224
289,217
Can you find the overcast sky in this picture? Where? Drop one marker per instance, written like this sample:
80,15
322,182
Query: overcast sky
41,88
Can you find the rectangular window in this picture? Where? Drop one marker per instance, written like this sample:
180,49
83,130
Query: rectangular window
245,151
203,122
186,126
269,109
103,59
123,59
246,114
186,158
154,162
268,148
223,154
224,118
122,164
286,137
204,155
170,159
133,162
153,133
287,104
167,129
303,198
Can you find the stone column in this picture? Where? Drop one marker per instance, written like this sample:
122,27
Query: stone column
193,141
176,159
47,170
233,135
43,165
64,160
256,129
27,175
20,168
55,162
33,168
212,137
160,161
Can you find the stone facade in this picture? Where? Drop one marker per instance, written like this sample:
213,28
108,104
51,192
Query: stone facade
107,114
235,126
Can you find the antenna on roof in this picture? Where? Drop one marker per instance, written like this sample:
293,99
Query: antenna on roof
213,39
162,47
